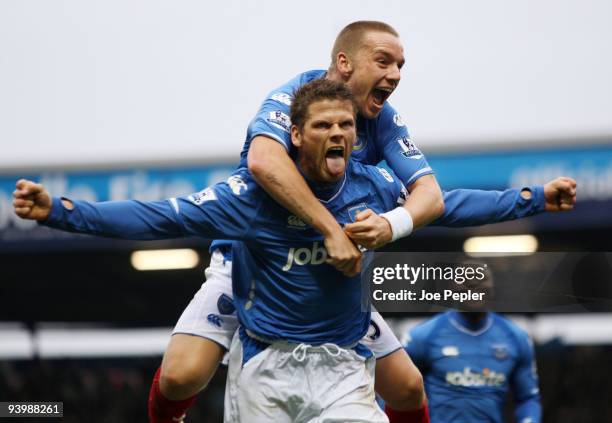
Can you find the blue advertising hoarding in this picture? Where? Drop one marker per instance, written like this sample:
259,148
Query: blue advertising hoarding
590,166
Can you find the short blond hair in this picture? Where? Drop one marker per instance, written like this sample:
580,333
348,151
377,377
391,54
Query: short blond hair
349,39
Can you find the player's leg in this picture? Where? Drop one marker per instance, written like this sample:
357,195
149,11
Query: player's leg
398,381
200,338
188,365
260,390
349,394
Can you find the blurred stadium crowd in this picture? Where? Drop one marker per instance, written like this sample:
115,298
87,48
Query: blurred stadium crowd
115,390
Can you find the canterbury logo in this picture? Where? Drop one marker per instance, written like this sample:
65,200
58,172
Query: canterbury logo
295,221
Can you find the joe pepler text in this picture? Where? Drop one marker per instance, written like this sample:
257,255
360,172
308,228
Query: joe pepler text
446,295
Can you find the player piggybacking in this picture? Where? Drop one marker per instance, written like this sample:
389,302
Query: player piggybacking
299,315
368,57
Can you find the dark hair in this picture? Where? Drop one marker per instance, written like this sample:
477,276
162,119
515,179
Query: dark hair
319,89
349,39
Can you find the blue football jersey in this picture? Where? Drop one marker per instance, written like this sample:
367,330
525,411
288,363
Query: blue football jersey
283,287
382,138
386,138
468,370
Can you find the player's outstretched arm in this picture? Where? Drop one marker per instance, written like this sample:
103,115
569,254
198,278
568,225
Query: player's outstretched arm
116,219
214,213
467,207
275,172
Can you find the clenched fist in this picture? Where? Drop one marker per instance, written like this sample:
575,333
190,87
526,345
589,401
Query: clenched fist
31,200
560,194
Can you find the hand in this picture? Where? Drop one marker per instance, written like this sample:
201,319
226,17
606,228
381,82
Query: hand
369,230
31,200
342,253
560,194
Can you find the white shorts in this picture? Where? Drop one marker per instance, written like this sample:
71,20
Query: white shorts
288,383
210,313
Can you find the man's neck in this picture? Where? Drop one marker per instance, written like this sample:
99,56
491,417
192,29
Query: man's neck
322,190
472,320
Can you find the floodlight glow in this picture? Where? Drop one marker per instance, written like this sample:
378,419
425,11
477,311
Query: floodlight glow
497,246
165,259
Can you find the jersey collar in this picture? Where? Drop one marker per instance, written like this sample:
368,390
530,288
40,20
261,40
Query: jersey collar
466,326
326,192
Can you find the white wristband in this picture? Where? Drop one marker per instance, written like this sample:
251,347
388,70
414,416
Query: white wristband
401,222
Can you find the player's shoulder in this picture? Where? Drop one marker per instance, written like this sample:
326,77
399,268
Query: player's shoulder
516,332
380,180
428,328
389,117
238,195
508,324
375,174
239,184
283,95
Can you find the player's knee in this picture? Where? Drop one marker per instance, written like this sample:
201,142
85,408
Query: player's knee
182,379
188,365
409,393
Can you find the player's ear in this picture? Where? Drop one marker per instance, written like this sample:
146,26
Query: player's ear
296,139
344,65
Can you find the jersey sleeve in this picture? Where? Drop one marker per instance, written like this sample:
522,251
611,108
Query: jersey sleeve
524,381
398,150
221,211
272,119
388,185
226,210
129,219
470,207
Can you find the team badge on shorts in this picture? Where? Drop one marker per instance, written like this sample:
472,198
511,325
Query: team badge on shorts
225,304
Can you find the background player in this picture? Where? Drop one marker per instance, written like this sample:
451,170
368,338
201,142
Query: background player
368,57
470,360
